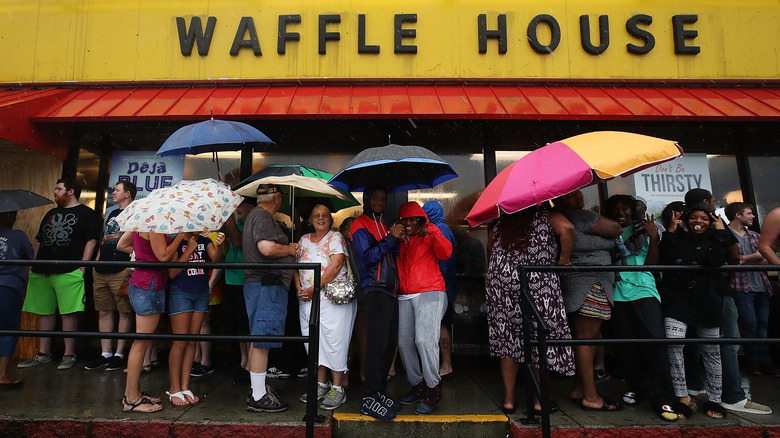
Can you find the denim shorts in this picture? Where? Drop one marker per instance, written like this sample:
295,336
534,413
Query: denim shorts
180,301
266,308
146,301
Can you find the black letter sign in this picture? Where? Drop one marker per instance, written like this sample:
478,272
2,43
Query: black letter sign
186,39
328,36
603,35
483,33
285,36
680,34
555,30
401,33
247,24
635,31
362,47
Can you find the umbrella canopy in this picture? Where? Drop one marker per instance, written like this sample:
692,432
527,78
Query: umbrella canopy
189,206
212,136
568,165
305,182
14,200
397,167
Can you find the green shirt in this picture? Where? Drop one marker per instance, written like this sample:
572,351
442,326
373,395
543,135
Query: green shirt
633,286
234,255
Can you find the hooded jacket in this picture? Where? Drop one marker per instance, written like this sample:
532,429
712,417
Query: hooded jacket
418,260
375,251
435,214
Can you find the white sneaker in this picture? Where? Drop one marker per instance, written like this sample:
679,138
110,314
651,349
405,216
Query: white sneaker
748,406
321,392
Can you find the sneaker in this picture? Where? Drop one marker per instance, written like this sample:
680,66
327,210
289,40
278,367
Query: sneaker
600,374
373,407
333,399
747,406
389,402
270,402
322,391
98,363
67,362
115,363
303,372
432,398
416,394
276,373
199,370
35,360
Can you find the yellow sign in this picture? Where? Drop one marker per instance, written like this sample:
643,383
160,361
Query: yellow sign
149,40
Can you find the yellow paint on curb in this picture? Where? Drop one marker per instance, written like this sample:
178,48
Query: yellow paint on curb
427,418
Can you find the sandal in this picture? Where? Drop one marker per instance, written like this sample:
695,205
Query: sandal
607,406
139,402
188,393
714,410
631,399
179,395
153,399
666,413
553,408
683,410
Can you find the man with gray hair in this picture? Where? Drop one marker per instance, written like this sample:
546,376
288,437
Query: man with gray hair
265,291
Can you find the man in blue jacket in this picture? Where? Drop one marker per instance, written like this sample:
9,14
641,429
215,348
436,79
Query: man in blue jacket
376,247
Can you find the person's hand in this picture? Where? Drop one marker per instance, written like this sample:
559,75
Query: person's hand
717,222
650,229
220,239
397,230
294,247
306,294
675,221
423,231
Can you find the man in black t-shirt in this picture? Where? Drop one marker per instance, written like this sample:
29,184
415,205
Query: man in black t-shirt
106,282
67,232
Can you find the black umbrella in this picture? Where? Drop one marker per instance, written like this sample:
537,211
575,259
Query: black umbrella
396,167
14,200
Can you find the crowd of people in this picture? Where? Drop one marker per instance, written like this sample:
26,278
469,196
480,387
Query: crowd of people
638,304
399,284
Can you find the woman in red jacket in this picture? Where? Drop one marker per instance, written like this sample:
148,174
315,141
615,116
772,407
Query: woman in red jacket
421,305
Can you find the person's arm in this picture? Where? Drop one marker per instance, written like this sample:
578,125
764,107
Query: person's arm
441,246
125,243
368,249
192,245
161,249
606,228
274,250
89,250
212,249
232,231
653,254
769,234
565,232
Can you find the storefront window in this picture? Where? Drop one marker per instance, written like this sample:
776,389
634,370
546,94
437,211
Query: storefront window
766,180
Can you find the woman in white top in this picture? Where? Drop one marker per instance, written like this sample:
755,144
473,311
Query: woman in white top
326,246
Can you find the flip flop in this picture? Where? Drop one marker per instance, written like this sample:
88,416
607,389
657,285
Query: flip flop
141,401
188,393
179,395
10,385
607,406
666,413
553,408
686,411
714,407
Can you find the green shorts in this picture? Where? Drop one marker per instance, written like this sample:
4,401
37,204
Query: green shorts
47,293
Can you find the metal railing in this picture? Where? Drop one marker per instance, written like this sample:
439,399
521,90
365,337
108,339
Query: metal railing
539,387
314,318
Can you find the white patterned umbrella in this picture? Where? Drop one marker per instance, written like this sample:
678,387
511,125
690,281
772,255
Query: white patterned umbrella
189,206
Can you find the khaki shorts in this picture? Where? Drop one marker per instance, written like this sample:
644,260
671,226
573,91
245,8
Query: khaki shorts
104,288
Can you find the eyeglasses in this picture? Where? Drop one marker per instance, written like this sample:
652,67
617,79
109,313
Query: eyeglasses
321,216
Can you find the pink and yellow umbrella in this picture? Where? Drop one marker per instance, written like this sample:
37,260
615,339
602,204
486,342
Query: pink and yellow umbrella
568,165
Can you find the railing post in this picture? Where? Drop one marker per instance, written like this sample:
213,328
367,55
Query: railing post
314,354
530,391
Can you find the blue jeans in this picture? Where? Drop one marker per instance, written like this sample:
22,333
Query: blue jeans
266,309
732,380
753,309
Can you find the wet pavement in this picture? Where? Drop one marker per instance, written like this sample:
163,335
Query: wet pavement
473,395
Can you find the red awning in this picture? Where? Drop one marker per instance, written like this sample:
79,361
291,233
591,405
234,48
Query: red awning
393,100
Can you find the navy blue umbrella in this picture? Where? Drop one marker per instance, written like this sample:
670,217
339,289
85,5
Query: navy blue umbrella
14,200
213,136
396,167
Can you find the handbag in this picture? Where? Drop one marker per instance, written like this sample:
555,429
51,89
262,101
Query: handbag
341,291
122,292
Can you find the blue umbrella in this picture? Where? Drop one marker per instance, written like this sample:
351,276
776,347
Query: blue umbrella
14,200
213,136
398,168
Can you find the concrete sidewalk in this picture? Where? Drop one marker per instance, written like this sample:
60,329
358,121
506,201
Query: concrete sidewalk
78,402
